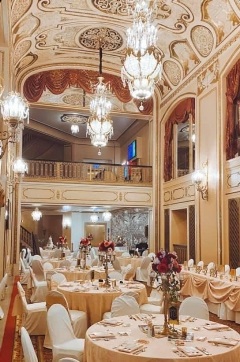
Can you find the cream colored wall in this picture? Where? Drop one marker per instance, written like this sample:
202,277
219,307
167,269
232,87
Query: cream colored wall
179,226
143,134
85,151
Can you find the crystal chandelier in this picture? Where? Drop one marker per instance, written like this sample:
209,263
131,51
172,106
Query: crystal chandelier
99,124
74,128
142,66
94,218
15,111
36,214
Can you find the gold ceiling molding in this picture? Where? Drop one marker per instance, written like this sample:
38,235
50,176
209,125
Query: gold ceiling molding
19,8
112,40
21,49
202,39
184,54
164,87
118,7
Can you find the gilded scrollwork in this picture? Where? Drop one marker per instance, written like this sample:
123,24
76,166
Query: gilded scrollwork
184,54
208,77
21,49
19,8
90,39
118,7
172,71
202,39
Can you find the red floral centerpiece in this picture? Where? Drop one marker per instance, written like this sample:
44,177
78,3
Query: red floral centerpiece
85,244
106,246
62,241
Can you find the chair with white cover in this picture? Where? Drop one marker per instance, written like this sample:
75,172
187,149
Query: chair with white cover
125,254
155,297
65,263
95,262
3,285
194,307
38,270
145,253
152,256
68,359
143,270
78,317
93,253
128,273
115,275
47,266
39,288
33,315
27,346
64,342
36,257
24,273
116,265
57,279
123,305
57,253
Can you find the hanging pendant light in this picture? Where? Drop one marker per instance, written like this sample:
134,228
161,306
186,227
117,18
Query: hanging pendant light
36,214
99,124
94,218
106,216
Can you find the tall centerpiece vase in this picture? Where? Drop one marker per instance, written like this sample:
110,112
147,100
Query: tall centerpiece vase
165,330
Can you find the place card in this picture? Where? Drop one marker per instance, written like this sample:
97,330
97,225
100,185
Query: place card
190,351
130,347
102,335
216,327
223,341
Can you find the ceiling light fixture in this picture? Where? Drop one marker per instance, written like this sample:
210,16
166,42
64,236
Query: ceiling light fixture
94,218
99,124
75,120
20,167
15,111
36,214
142,66
106,216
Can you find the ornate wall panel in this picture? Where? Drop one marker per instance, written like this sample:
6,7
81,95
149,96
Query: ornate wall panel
234,232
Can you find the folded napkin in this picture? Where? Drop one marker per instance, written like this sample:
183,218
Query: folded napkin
103,334
190,351
224,341
216,327
110,322
130,347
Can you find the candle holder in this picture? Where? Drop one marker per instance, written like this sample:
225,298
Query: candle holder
106,257
84,250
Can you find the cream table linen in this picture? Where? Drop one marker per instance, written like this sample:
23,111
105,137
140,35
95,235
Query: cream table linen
157,350
96,302
222,296
135,262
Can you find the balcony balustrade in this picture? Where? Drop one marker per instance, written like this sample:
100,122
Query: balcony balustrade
116,174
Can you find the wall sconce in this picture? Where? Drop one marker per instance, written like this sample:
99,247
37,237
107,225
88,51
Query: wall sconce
36,214
14,111
66,222
200,180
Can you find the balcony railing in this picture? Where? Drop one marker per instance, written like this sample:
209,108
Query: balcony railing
89,172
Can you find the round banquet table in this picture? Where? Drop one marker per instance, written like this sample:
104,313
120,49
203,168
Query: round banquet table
135,262
95,302
157,349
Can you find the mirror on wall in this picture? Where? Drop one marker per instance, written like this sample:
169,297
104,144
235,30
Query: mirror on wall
185,148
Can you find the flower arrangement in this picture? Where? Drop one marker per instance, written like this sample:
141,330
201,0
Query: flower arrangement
106,245
85,244
167,267
62,241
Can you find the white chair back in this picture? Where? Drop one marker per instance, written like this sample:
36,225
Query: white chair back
125,254
36,257
116,265
201,264
37,269
145,253
115,275
95,262
145,263
47,266
3,285
238,272
58,320
65,263
57,279
124,305
27,346
194,307
68,359
226,269
152,256
211,265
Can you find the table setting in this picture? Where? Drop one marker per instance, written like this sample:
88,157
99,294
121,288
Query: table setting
197,339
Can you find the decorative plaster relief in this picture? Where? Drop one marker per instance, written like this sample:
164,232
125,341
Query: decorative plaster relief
220,15
93,196
190,191
184,54
118,7
137,197
29,194
21,49
90,39
20,7
172,71
164,87
209,76
167,196
202,39
178,193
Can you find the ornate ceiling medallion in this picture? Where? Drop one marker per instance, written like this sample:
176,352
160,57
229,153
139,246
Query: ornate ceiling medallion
202,39
74,118
172,71
118,7
90,39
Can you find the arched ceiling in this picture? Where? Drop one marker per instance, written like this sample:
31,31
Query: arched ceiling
63,34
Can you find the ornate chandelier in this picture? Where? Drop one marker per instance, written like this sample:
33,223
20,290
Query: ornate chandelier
142,64
20,167
36,214
99,124
106,216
